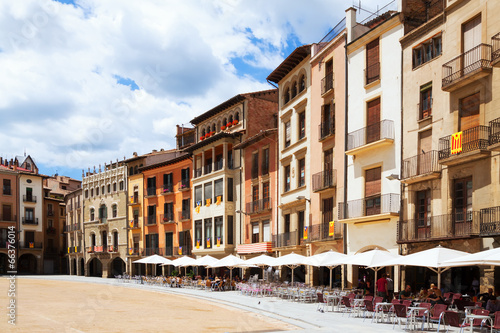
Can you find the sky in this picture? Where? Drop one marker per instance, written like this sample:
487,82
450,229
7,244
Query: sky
86,82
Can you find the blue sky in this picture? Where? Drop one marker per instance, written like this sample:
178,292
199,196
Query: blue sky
89,81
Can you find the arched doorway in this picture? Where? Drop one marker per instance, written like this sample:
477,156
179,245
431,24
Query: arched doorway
117,267
95,267
73,266
3,263
82,266
27,264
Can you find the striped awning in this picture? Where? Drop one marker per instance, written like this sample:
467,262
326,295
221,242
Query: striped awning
255,248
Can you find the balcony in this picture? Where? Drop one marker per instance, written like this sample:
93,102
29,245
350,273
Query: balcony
185,215
372,73
51,231
376,208
490,221
441,227
207,169
30,221
167,188
71,227
324,180
184,185
134,251
151,220
51,212
425,109
151,191
323,232
495,50
421,167
31,245
153,250
74,249
494,137
198,172
373,136
287,239
134,224
112,248
326,129
69,209
182,251
29,198
168,218
467,67
7,218
258,206
327,83
134,200
218,165
474,146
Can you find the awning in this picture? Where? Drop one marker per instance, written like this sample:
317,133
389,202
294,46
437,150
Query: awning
255,248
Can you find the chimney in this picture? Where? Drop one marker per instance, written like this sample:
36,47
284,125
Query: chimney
350,22
1,160
135,154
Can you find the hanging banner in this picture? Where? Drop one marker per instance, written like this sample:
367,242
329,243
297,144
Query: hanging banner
305,232
219,200
218,241
180,250
130,251
68,250
456,143
331,228
197,243
208,202
197,209
208,242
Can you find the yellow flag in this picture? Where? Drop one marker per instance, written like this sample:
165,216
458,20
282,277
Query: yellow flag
218,241
209,201
456,143
219,200
198,244
331,228
180,250
305,232
208,242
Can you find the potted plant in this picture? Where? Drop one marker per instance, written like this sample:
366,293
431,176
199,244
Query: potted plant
229,124
223,127
235,122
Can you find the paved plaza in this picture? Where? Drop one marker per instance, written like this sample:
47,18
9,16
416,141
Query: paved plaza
245,313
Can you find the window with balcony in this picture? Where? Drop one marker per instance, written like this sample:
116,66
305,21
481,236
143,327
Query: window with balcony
169,244
168,182
266,204
152,244
372,71
219,190
151,186
151,214
219,230
327,210
114,209
373,121
168,211
266,231
29,214
302,173
186,209
423,212
302,83
265,162
302,125
425,109
372,191
198,230
286,178
97,191
208,193
255,165
255,199
7,213
198,195
92,214
255,232
288,134
327,126
185,176
103,213
29,195
219,160
427,50
462,205
6,187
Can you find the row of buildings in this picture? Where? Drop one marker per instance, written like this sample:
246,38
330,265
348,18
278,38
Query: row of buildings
384,134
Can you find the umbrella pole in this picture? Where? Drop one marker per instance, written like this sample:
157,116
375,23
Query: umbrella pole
331,268
375,283
293,269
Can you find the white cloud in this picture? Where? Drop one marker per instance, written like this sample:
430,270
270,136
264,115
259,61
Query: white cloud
59,96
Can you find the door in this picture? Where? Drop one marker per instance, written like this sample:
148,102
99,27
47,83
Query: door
372,191
471,37
423,218
372,62
373,121
29,239
469,122
462,206
424,160
29,194
169,243
328,167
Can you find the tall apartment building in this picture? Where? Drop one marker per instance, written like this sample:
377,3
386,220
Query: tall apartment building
293,77
328,89
105,220
372,202
8,209
73,230
451,122
217,177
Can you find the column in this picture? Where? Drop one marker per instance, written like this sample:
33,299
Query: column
224,156
203,162
213,159
194,168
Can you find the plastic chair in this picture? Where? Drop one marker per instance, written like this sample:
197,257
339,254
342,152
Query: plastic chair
369,308
452,319
436,314
400,312
496,322
321,302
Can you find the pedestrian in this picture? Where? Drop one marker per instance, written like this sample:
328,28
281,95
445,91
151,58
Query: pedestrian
382,287
390,287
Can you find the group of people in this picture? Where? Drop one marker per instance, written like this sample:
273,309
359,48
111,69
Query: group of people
432,295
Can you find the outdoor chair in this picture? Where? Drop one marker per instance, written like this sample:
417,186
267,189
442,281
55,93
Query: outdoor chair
347,307
496,322
452,319
321,302
377,299
406,302
368,298
477,322
400,312
424,314
436,314
369,308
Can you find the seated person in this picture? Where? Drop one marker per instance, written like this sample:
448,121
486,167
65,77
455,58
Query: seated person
493,306
424,293
434,296
487,296
369,289
406,293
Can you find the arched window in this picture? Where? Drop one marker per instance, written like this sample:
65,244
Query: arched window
237,116
97,191
91,192
219,126
294,89
104,236
122,186
213,127
114,187
224,122
92,240
302,83
102,189
135,169
231,118
115,210
92,215
286,95
131,171
203,132
115,240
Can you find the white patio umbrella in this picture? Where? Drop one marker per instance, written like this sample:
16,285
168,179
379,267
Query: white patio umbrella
487,257
261,261
434,259
206,261
374,259
184,261
154,259
292,261
330,259
230,262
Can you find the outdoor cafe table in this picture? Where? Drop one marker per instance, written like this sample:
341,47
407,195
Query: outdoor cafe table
470,319
379,310
357,303
412,316
334,299
469,308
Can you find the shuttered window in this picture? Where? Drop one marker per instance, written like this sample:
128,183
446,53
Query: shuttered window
373,121
469,112
373,181
372,61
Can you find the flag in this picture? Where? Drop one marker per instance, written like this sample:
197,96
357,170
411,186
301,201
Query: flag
218,241
130,251
305,232
208,201
32,245
219,200
68,250
180,250
197,243
208,242
197,209
131,224
331,228
456,143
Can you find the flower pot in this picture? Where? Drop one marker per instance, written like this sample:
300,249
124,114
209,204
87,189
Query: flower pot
229,124
235,122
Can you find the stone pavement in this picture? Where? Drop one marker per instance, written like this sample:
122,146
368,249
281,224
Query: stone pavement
303,315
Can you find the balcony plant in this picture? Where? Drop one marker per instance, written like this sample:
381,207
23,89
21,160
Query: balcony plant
223,127
229,124
235,122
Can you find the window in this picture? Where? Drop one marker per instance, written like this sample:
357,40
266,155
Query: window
230,229
97,191
286,97
255,232
7,213
425,101
219,190
102,189
6,187
198,233
114,187
287,179
372,70
109,188
92,214
372,191
208,192
266,231
230,189
185,178
327,211
151,214
151,186
198,195
373,120
302,83
302,172
91,192
294,89
255,165
302,125
423,212
265,162
469,113
288,134
287,223
186,212
92,240
208,233
114,209
255,198
301,220
427,50
168,182
219,230
168,209
122,185
462,204
265,196
103,213
86,194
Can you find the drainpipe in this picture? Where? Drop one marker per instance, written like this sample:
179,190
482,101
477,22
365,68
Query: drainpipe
344,278
402,185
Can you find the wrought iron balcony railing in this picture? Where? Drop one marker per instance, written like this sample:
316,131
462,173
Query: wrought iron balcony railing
207,169
184,215
494,131
327,83
381,204
31,245
167,188
326,128
29,198
421,164
495,47
469,62
134,224
168,217
323,231
151,191
184,184
490,221
182,251
72,227
287,239
151,220
371,133
198,172
74,249
153,250
258,206
324,180
472,139
32,221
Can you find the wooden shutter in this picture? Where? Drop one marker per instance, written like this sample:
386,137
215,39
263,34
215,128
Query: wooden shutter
373,121
471,34
372,61
425,141
469,112
373,181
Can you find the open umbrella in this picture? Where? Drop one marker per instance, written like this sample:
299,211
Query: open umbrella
488,257
292,261
262,261
206,261
434,259
230,262
374,259
184,261
154,259
330,259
